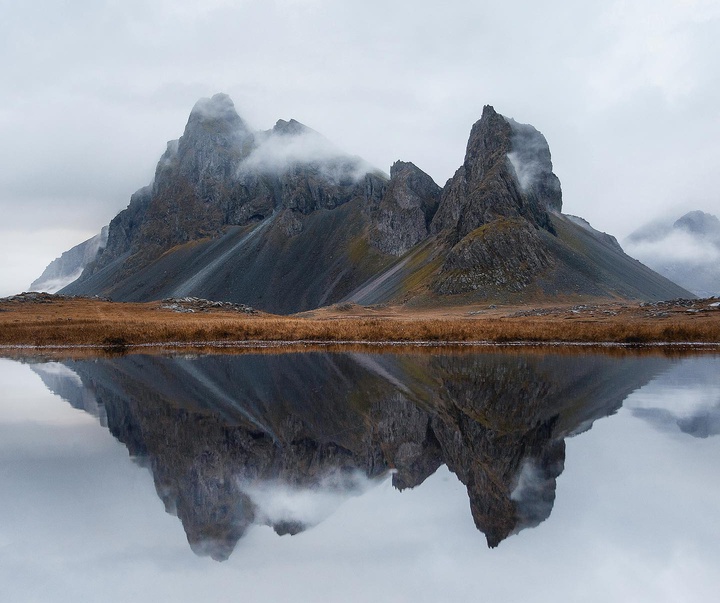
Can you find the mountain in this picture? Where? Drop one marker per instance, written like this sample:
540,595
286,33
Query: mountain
284,221
69,266
687,251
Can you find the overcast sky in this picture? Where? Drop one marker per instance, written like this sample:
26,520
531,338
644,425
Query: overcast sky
627,94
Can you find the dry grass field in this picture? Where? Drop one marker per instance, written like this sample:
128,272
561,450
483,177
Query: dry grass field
41,320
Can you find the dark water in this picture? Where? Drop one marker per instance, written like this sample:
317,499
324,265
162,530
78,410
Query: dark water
356,477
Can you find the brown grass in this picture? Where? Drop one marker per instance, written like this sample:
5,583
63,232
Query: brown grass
64,322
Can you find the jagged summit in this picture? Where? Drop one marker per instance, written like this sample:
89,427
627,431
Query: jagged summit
215,138
402,218
701,223
291,128
285,221
489,141
505,174
218,108
214,126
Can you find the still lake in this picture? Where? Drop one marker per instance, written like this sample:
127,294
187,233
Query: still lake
499,475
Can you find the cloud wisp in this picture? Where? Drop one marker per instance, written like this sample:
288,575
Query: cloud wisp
686,251
290,145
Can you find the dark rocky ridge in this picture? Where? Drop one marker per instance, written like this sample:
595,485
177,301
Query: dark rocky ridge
213,429
402,218
283,221
486,187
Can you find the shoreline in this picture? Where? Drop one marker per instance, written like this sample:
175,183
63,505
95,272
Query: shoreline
28,353
263,344
57,322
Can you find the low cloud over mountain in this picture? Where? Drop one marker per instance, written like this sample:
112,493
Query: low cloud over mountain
687,251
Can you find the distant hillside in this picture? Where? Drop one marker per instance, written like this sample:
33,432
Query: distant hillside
687,251
69,266
285,222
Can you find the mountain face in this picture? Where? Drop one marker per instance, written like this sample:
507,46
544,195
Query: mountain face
69,266
284,221
687,251
221,433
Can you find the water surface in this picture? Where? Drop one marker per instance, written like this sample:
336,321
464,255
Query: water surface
318,476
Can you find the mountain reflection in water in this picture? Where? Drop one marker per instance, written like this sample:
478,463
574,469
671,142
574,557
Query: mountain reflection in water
236,440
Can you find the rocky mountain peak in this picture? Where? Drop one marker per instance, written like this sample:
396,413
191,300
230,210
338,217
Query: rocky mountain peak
218,109
215,139
700,223
399,168
291,128
489,141
495,137
507,174
402,218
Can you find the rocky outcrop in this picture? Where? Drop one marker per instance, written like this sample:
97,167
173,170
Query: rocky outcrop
123,233
490,185
603,236
504,255
493,206
402,218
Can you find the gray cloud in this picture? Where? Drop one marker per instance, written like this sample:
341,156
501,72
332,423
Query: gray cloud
280,152
685,252
674,246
